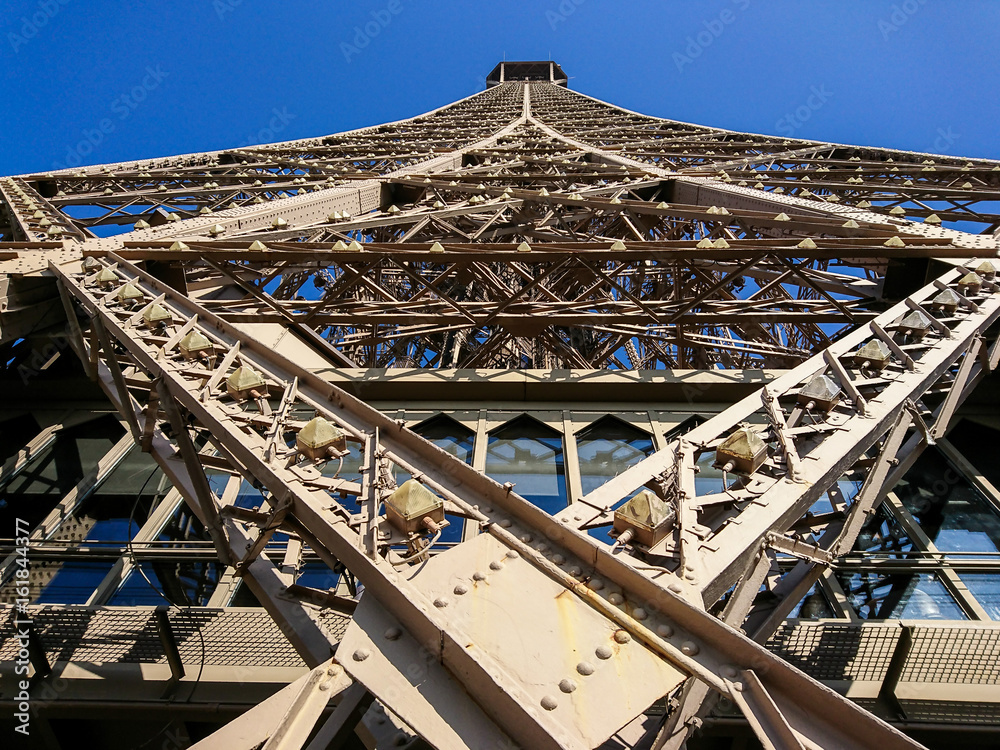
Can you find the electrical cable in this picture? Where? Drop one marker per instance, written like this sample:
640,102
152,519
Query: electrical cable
197,626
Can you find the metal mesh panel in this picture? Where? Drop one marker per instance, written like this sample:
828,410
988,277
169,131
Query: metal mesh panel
232,637
955,655
834,651
948,711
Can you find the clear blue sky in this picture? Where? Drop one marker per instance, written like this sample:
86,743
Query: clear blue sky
915,74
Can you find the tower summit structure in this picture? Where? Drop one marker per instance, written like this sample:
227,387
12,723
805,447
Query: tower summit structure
529,421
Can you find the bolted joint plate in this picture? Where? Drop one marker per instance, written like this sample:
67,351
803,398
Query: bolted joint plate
543,646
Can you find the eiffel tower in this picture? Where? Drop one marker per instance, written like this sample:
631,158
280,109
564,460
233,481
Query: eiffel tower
582,413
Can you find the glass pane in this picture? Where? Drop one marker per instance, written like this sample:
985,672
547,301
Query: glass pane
318,575
607,448
922,596
448,435
978,443
73,582
986,588
530,455
814,606
882,533
953,513
185,583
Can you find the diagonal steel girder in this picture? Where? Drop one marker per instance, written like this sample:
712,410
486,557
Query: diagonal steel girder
697,643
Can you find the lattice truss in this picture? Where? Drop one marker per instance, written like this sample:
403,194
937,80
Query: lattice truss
533,227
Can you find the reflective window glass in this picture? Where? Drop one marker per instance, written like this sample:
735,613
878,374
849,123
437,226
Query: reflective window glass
607,448
530,455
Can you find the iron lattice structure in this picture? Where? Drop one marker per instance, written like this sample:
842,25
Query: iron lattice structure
527,227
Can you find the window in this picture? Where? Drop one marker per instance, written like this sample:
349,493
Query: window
530,455
608,447
914,596
953,513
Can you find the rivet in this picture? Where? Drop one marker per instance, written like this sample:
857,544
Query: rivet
505,523
526,538
496,565
324,686
690,648
622,637
603,652
487,509
675,587
335,670
392,634
460,589
575,572
691,577
596,584
585,668
361,654
558,559
549,703
616,599
441,602
664,631
479,576
543,547
567,685
513,554
639,613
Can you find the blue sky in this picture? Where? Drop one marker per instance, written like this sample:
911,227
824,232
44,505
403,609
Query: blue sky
145,78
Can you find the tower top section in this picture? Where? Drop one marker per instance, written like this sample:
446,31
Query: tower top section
526,70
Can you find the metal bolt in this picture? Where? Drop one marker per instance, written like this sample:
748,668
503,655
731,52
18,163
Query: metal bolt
603,652
596,584
639,613
689,648
496,565
558,559
549,703
478,576
664,630
567,685
441,602
616,599
526,538
585,668
575,572
460,589
361,654
622,637
513,553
